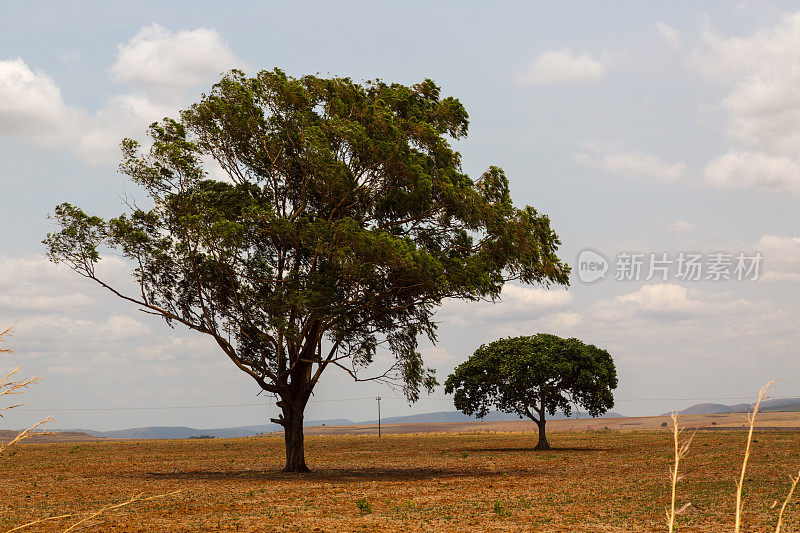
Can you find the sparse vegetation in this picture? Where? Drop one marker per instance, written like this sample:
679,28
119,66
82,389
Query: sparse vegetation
10,386
364,506
498,509
593,481
681,448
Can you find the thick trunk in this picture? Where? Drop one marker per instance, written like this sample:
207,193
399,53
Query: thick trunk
293,435
294,398
543,444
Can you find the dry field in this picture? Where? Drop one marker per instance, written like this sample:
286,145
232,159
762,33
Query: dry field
594,481
733,421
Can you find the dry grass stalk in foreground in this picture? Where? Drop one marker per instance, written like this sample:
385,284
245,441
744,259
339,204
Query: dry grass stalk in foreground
135,499
10,386
682,448
25,434
751,418
3,334
680,452
794,479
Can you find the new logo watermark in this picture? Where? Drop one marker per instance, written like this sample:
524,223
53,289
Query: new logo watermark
593,266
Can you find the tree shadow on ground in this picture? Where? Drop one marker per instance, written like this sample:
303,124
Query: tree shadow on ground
337,475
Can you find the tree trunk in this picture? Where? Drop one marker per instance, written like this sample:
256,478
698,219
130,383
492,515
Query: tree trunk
294,398
542,412
543,444
293,435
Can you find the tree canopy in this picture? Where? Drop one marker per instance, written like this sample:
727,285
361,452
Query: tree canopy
304,223
534,376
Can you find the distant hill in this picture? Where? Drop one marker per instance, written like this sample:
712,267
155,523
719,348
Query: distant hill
778,405
49,436
458,416
182,432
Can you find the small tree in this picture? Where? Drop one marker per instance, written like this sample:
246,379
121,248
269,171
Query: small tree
534,377
335,220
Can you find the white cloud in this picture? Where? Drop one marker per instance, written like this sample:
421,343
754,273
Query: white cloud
66,370
768,50
436,355
171,347
126,115
682,226
68,57
563,66
671,35
562,321
119,327
781,258
534,297
162,70
628,163
72,329
518,303
66,325
740,170
44,303
762,73
662,299
165,65
765,112
36,276
31,105
668,302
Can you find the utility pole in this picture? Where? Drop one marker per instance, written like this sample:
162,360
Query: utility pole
379,416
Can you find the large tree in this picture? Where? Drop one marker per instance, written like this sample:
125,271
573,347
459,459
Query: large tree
534,377
303,223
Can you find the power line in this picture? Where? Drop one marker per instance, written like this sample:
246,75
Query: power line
683,399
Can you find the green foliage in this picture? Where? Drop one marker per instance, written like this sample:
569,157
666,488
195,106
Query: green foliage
534,376
498,509
364,506
335,220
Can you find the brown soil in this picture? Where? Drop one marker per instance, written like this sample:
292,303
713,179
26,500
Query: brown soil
477,481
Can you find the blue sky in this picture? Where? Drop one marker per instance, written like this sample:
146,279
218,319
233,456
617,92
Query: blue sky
636,128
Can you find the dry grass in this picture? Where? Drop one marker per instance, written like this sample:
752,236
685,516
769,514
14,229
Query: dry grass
794,480
592,481
751,419
10,386
682,449
4,335
91,515
493,481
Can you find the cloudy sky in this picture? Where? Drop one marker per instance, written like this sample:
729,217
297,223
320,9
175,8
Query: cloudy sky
639,130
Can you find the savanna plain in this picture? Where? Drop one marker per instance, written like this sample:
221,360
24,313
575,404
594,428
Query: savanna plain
597,479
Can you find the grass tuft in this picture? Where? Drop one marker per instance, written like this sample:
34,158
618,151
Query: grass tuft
364,507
